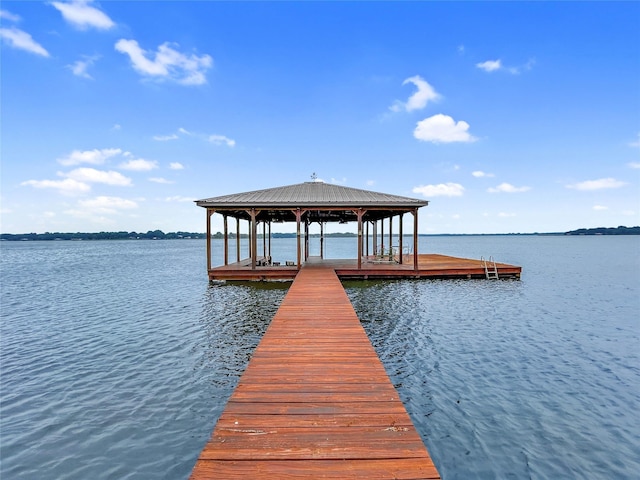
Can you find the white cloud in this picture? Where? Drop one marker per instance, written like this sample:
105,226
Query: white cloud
506,215
161,180
635,143
176,166
104,204
481,174
79,67
460,49
94,157
633,164
21,40
9,16
166,63
419,99
179,198
490,65
443,129
599,184
185,132
68,186
164,138
508,188
82,15
440,190
221,140
139,165
371,183
600,208
91,175
494,65
116,127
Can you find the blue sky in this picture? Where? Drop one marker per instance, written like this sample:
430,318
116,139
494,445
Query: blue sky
507,116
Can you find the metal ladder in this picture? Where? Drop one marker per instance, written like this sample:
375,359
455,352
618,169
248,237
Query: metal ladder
490,268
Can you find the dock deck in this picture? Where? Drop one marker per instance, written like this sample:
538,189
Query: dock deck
315,400
429,266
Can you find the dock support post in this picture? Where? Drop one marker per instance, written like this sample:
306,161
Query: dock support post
209,213
238,239
400,246
321,240
359,213
415,239
298,215
254,239
226,240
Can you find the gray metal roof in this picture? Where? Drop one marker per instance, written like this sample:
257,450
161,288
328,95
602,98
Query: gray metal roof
311,194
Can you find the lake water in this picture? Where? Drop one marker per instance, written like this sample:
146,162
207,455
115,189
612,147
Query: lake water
117,357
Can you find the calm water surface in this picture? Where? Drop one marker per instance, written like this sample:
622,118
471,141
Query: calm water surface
117,357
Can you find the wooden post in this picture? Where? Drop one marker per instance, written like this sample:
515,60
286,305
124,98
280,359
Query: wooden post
321,240
254,238
298,215
375,237
400,237
382,237
359,213
391,237
209,213
367,242
226,239
415,239
269,238
306,240
264,238
238,239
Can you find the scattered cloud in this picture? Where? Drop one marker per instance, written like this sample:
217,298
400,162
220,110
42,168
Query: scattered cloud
443,129
506,215
110,205
9,16
179,198
496,65
221,140
176,166
633,164
461,49
80,67
371,183
94,157
490,65
600,208
635,143
600,184
440,190
116,127
481,174
21,40
165,138
166,63
82,15
425,94
161,180
139,165
91,175
68,186
508,188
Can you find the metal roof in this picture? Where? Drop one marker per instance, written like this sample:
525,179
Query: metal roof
311,194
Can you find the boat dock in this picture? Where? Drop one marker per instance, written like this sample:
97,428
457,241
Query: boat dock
315,400
431,266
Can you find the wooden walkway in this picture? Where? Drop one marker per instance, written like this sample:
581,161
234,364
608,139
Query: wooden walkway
315,400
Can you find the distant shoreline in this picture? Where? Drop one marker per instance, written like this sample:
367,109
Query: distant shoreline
160,235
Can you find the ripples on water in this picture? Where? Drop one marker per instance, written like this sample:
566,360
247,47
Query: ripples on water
117,359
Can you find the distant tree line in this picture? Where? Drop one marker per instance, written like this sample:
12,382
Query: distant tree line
606,231
150,235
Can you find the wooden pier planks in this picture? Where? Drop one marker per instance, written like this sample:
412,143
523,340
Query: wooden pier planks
315,400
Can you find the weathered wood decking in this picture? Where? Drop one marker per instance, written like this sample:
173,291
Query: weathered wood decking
315,400
429,266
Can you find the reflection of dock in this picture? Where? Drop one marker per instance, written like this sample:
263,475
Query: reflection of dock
429,266
315,400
